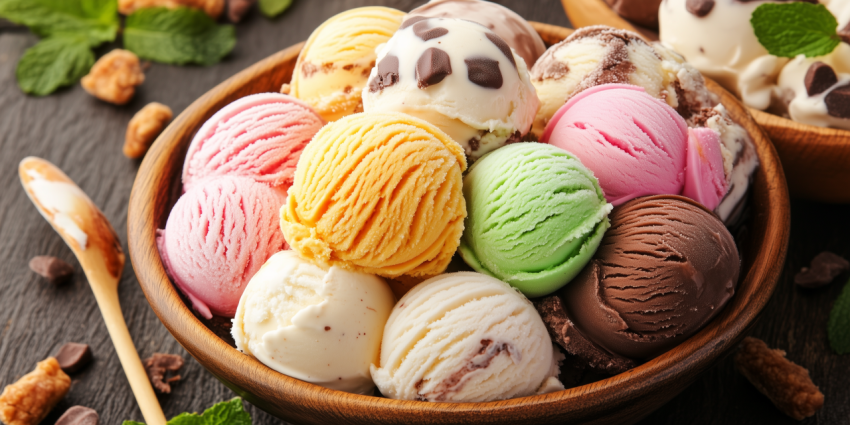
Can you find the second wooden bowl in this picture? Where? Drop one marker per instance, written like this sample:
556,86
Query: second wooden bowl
816,159
621,399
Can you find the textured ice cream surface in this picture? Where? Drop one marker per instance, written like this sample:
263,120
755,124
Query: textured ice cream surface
217,236
512,28
260,136
457,75
465,337
719,41
705,180
598,55
665,268
536,216
334,65
635,144
378,193
319,325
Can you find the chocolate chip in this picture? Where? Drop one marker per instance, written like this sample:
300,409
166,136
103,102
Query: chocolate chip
422,31
825,267
236,9
157,366
515,138
79,415
699,8
411,21
387,74
844,33
484,72
838,102
819,78
432,67
53,269
73,357
506,50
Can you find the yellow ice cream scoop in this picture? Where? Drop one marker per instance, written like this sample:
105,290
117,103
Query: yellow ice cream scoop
379,193
334,65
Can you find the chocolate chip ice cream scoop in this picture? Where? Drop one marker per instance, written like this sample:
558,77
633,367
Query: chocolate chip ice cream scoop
664,269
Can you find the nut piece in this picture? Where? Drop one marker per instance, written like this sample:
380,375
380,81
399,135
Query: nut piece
114,77
144,127
213,8
79,415
236,9
29,400
158,365
285,88
73,356
786,384
55,270
825,267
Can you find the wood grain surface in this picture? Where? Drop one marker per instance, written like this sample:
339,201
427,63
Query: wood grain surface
84,137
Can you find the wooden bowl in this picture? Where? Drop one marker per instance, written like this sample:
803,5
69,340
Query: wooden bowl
624,398
816,159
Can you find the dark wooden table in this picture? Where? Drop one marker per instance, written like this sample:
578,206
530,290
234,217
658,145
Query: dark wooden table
84,136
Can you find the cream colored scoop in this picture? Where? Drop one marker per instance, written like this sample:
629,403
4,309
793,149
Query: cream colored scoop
86,230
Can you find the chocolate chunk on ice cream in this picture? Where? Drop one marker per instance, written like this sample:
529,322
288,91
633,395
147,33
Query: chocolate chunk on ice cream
665,268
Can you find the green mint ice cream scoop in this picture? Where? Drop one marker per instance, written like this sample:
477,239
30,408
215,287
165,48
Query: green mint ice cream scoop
535,216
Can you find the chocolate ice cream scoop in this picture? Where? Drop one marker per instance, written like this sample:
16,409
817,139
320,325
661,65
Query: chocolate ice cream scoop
664,269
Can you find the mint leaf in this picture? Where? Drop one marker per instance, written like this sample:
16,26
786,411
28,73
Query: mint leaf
52,63
177,36
838,329
132,423
224,413
97,20
272,8
791,29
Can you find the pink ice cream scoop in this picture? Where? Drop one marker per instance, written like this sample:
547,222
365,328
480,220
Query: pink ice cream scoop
217,236
705,180
637,145
259,136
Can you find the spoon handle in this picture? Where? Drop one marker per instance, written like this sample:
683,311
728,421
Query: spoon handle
110,308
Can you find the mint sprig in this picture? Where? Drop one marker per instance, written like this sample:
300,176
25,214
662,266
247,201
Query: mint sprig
96,20
54,62
225,413
791,29
177,36
272,8
838,329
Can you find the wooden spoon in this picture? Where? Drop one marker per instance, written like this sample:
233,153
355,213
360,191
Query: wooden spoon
88,233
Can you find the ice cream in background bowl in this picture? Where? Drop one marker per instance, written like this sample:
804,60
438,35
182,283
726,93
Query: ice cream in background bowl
322,326
536,216
217,236
512,28
259,136
298,401
334,65
459,76
378,193
465,337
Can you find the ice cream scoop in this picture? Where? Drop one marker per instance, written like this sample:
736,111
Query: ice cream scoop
705,181
716,37
536,216
508,25
816,91
217,236
334,64
320,325
665,268
378,193
459,76
259,136
465,337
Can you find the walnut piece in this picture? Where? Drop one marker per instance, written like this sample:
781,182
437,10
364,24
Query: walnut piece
785,383
213,8
158,365
29,400
144,127
114,77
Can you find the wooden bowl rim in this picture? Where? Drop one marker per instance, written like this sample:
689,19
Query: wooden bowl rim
828,136
696,353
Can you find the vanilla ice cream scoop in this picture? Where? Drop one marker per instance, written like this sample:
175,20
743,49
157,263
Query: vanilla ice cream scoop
459,76
319,325
465,337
